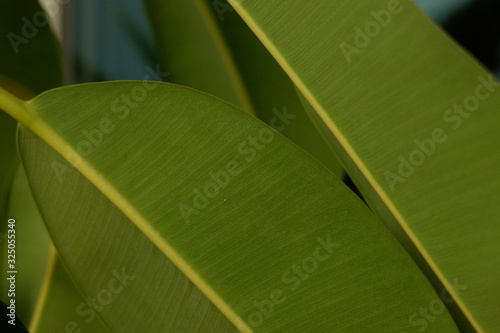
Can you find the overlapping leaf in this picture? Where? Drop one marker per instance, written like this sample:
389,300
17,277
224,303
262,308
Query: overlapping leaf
270,237
189,45
417,119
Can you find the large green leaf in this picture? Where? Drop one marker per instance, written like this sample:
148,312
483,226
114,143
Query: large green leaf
190,47
278,243
418,120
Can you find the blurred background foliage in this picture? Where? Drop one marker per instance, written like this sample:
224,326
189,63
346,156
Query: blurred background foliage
92,42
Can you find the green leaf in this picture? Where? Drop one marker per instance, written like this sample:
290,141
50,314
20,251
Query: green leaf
275,231
271,91
43,297
9,161
28,48
60,303
99,244
418,118
32,248
190,47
